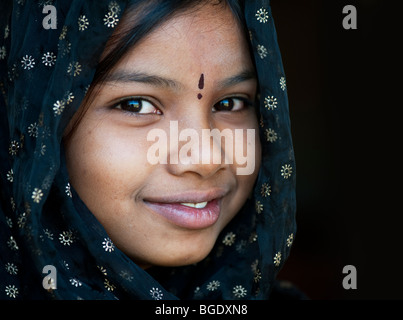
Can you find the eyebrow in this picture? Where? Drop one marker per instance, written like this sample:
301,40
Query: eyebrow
124,76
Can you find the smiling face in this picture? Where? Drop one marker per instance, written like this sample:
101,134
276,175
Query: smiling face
196,71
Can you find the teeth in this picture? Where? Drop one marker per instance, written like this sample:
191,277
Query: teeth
199,205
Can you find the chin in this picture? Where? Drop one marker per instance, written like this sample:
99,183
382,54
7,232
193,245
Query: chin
177,256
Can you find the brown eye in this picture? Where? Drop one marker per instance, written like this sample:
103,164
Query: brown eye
224,105
230,104
137,105
133,105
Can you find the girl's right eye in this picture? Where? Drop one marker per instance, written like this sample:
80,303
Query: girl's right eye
137,106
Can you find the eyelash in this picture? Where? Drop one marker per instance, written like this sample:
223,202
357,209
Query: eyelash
246,104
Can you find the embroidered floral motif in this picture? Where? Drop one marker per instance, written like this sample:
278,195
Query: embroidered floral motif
286,171
114,7
75,282
14,147
156,294
66,238
283,84
270,102
83,23
277,259
28,62
213,285
58,107
11,291
229,239
262,51
265,190
68,190
11,268
74,69
290,240
239,291
262,15
108,245
257,275
63,34
111,19
108,285
103,270
37,195
49,59
258,207
12,244
10,176
33,130
271,135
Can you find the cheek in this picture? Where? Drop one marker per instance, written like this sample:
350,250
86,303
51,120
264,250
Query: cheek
104,165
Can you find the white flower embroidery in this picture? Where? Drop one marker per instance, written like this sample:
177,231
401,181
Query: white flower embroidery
286,171
68,190
48,233
262,15
229,239
265,190
277,259
74,69
11,268
58,107
33,130
75,282
22,219
66,238
283,83
11,291
28,62
271,135
12,244
83,23
109,286
49,59
262,51
108,245
239,291
111,19
290,240
270,102
37,195
156,294
257,276
213,285
114,7
258,207
10,175
14,147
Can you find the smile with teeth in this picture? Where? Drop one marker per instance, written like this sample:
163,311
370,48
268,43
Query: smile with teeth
199,205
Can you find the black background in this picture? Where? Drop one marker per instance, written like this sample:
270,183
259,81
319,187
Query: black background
343,89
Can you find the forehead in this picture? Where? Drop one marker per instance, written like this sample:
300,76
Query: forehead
206,37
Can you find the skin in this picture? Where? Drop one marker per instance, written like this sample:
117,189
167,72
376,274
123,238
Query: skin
106,153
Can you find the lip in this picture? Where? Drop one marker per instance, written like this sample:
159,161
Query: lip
170,208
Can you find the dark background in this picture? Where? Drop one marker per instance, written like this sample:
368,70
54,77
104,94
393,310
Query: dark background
343,89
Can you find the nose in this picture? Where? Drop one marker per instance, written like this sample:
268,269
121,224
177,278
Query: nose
196,147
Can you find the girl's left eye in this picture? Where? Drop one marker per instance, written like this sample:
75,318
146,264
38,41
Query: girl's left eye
231,104
137,105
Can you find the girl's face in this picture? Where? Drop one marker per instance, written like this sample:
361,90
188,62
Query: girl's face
195,71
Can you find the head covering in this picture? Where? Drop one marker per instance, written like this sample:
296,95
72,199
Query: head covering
44,75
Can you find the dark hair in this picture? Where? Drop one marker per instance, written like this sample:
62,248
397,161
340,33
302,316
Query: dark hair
149,15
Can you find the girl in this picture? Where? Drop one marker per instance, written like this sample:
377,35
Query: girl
81,193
